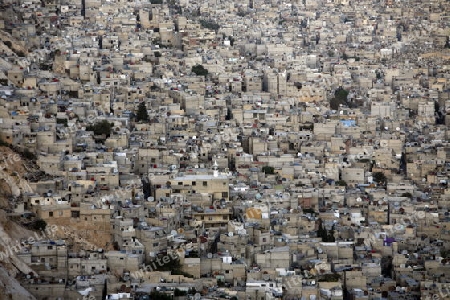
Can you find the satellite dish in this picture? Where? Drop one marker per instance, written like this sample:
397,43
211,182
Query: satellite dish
209,255
383,143
230,233
258,196
399,227
173,232
397,128
313,282
197,296
358,199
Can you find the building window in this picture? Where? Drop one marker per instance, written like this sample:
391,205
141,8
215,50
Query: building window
194,183
210,218
225,217
50,214
155,244
264,240
225,194
205,183
49,247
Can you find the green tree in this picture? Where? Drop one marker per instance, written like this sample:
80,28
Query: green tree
155,295
341,94
28,154
409,195
378,74
308,211
101,128
340,97
379,178
39,224
330,236
209,24
142,114
62,121
178,293
3,143
231,39
268,170
334,277
199,70
341,183
386,266
321,231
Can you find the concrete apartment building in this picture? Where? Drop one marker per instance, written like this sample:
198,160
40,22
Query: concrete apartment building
309,162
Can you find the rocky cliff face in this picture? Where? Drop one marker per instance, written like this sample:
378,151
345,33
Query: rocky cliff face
11,289
14,170
11,185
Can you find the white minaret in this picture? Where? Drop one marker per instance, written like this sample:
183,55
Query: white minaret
215,169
